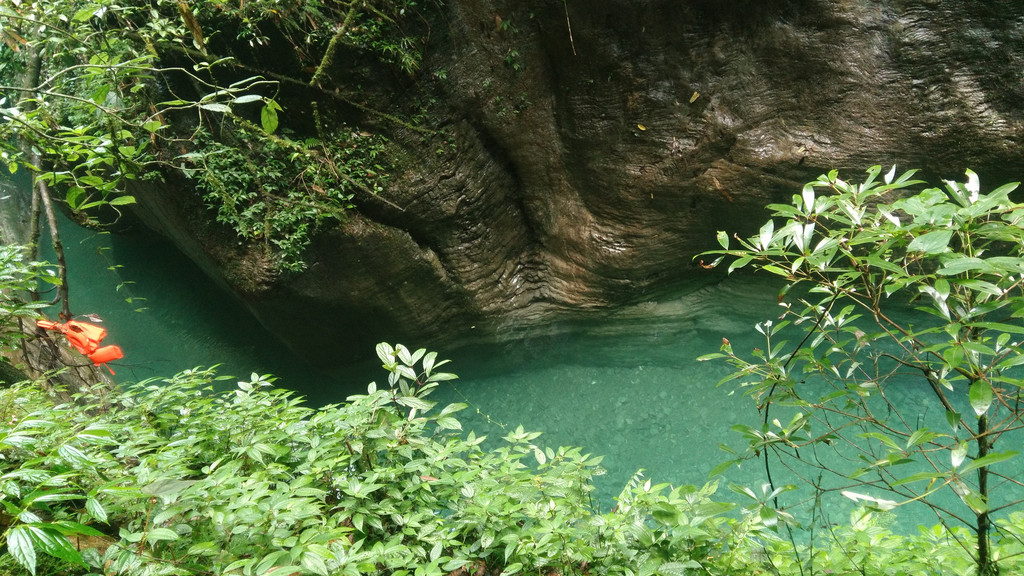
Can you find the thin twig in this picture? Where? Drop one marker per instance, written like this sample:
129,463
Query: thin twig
569,25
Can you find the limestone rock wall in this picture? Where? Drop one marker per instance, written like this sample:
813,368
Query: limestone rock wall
581,153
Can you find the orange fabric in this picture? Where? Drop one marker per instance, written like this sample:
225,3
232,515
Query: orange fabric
85,338
106,354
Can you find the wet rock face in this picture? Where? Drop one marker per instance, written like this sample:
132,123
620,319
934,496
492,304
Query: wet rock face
583,152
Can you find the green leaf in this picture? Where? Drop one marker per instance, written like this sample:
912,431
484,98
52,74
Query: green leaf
958,453
121,200
161,534
766,234
980,396
96,510
739,263
917,478
41,496
247,98
958,264
889,175
268,117
167,488
665,513
883,439
807,196
931,243
215,107
723,239
85,14
977,348
680,568
55,544
99,95
204,549
453,408
722,467
386,353
769,516
880,503
414,402
91,180
74,197
69,528
920,437
448,423
988,460
975,500
314,563
21,548
428,362
953,418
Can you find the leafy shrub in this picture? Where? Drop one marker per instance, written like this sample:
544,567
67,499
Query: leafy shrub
903,289
18,278
112,107
175,477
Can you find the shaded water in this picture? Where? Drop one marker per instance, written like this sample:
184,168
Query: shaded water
166,314
627,387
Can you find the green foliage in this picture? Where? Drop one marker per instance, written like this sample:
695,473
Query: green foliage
382,31
94,95
278,191
18,279
866,546
903,292
380,27
173,476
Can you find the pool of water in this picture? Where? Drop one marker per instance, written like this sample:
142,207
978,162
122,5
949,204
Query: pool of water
627,386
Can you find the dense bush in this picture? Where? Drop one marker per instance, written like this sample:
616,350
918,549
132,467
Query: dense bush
892,375
174,477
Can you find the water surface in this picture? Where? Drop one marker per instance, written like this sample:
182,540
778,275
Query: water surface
627,387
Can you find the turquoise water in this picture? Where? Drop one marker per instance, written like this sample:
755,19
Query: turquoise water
166,315
627,386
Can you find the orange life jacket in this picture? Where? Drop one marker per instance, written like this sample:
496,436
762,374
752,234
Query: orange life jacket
85,338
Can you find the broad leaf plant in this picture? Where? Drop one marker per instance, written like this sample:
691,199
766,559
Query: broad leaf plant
893,374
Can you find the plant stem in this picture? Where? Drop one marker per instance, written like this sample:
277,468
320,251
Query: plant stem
325,62
986,566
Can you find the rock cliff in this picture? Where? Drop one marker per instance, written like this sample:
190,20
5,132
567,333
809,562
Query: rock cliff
574,156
